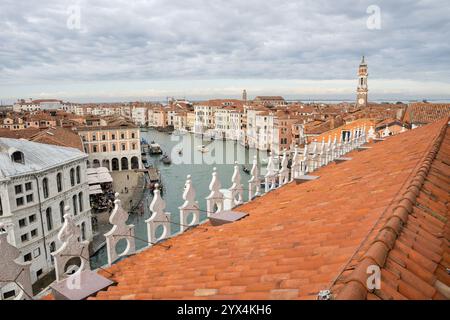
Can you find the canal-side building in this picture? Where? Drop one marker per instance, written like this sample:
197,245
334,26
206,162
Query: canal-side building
36,182
114,145
139,115
157,117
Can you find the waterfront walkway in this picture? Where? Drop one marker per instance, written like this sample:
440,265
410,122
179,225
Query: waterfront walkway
129,184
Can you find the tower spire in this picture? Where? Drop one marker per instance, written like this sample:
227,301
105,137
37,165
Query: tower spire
363,89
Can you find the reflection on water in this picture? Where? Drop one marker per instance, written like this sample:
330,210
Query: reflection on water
222,155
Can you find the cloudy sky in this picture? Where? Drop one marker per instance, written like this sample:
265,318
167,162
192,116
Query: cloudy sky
135,50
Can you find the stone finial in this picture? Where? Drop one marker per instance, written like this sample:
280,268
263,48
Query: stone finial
237,189
158,218
371,134
283,176
214,201
72,248
254,184
189,207
271,175
14,274
119,231
305,166
314,159
386,132
328,150
296,163
334,148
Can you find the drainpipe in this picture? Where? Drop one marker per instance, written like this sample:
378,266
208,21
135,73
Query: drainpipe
42,219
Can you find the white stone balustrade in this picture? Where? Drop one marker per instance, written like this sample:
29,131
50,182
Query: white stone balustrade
254,184
72,249
14,274
215,199
237,189
270,178
190,207
120,231
283,176
159,220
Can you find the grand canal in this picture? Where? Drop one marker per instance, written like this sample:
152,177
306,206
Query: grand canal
222,155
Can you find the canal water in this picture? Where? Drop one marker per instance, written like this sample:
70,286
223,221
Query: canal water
221,154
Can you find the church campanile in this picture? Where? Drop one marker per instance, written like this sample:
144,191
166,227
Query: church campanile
361,97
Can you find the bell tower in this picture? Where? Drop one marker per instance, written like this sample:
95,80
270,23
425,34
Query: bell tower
362,91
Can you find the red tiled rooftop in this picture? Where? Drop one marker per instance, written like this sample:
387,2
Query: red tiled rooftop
387,206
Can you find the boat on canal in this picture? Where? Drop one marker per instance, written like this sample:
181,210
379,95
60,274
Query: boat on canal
166,159
155,148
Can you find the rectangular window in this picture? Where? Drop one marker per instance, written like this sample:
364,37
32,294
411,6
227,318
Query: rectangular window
34,233
38,273
27,257
29,198
22,223
32,218
24,237
28,186
18,189
19,201
9,295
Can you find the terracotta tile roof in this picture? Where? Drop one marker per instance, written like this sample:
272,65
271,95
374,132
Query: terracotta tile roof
389,205
423,113
55,136
411,241
349,126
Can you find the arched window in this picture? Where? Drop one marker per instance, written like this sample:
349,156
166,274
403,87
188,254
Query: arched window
49,219
61,210
59,182
45,187
72,177
74,203
78,174
80,201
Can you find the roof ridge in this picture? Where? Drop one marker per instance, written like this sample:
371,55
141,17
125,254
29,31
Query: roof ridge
355,287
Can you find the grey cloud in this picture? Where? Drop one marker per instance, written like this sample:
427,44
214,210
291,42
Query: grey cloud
198,39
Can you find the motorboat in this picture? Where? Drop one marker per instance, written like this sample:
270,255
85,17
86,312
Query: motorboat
155,148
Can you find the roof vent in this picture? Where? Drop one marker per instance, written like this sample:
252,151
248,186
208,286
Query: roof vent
225,217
